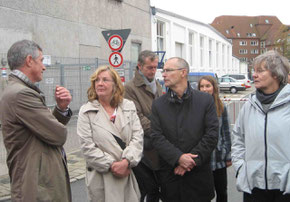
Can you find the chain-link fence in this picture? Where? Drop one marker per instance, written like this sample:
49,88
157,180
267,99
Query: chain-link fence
72,73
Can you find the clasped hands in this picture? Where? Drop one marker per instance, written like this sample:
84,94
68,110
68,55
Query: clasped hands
186,163
120,168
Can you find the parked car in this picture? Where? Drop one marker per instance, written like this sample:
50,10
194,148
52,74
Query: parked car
193,77
240,77
231,84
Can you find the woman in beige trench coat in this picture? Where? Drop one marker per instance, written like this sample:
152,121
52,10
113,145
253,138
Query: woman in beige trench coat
111,138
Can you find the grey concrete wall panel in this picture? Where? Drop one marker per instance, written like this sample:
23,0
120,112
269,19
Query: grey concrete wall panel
73,28
9,36
64,9
57,37
18,20
88,35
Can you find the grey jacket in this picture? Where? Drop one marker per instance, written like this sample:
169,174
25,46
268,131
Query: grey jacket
260,145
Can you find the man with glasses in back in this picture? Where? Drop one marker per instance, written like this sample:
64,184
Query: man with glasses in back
142,90
184,128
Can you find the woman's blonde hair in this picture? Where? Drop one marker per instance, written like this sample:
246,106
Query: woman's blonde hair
218,103
118,88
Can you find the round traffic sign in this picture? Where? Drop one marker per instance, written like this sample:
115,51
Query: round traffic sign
115,42
116,59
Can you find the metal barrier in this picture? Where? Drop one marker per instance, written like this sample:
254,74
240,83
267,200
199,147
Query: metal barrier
234,105
74,74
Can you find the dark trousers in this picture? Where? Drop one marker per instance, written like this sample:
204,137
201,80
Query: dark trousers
260,195
147,182
220,184
175,188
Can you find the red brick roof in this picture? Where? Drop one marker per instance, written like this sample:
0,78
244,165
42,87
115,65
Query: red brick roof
234,27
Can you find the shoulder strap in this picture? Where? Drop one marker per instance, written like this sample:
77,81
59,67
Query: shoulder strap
120,142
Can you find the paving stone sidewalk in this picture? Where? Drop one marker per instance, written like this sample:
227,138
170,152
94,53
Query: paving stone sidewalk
76,168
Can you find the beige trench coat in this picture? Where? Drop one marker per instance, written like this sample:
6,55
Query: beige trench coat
101,150
33,137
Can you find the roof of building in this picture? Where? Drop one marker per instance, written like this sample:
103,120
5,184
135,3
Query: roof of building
263,27
193,21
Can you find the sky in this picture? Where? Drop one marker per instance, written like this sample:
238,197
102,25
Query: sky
206,10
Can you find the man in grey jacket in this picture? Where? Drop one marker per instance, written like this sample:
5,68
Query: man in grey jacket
33,135
260,143
142,90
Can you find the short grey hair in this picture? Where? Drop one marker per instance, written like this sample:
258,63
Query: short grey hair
19,51
277,64
146,54
181,63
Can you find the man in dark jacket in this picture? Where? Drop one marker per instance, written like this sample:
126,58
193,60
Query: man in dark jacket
184,128
142,90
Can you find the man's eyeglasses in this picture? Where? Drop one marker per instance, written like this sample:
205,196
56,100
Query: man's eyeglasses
170,70
104,80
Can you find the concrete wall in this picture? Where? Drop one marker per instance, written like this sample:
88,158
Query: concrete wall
72,28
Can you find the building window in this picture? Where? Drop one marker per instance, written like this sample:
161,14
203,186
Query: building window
201,48
267,21
228,56
227,31
254,43
251,34
160,36
178,49
263,44
210,53
255,51
238,34
243,59
217,54
251,25
135,50
191,48
223,55
243,51
243,43
262,51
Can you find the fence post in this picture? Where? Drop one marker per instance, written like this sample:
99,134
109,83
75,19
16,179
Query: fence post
61,68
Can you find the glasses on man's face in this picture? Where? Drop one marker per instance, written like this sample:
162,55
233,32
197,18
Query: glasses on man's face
170,70
104,80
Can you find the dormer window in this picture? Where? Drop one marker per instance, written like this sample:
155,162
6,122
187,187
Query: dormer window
238,34
267,21
251,25
227,31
